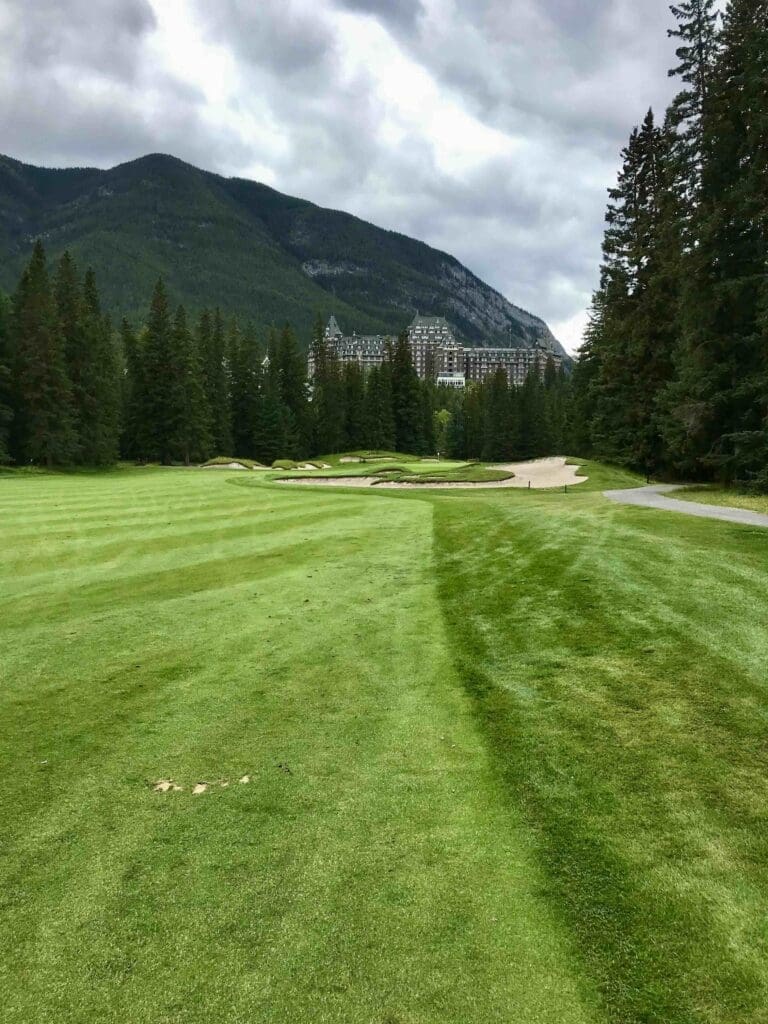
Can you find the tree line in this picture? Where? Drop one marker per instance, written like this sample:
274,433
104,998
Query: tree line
76,391
673,374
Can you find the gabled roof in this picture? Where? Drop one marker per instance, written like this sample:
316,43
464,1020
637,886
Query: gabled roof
333,330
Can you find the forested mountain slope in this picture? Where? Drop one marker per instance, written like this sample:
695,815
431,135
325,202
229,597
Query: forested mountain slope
257,253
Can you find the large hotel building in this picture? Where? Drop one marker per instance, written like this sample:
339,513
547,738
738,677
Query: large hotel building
437,354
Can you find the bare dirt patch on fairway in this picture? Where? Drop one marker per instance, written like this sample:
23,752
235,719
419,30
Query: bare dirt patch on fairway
537,475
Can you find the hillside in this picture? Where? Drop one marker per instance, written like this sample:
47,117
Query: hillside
258,253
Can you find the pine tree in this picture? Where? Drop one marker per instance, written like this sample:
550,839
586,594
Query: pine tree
43,428
697,34
716,413
406,400
533,427
246,369
189,434
291,366
269,432
6,397
98,407
354,407
498,442
158,369
134,443
213,352
379,417
328,399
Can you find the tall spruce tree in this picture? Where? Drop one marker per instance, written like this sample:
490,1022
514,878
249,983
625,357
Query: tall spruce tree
189,433
328,412
246,358
406,400
158,370
6,397
291,366
134,442
43,424
717,416
379,416
696,32
354,407
213,352
98,408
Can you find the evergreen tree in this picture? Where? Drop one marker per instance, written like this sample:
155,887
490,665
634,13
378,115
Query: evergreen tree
246,359
98,391
6,398
697,34
716,412
354,407
474,422
443,424
134,442
43,427
406,400
269,433
533,427
189,418
291,366
328,410
379,416
498,442
158,370
213,352
428,405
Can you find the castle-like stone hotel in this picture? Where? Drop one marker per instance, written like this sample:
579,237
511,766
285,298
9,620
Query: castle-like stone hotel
437,354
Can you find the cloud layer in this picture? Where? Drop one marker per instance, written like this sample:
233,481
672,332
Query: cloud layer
489,128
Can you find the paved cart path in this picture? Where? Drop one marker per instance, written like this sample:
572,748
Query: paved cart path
655,496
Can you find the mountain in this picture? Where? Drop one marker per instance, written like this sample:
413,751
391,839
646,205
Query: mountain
257,253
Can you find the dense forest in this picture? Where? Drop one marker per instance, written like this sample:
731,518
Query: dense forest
673,376
76,391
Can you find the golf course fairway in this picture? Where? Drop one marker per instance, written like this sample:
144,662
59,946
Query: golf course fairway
287,754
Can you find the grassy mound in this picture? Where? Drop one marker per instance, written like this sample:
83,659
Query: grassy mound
224,460
472,474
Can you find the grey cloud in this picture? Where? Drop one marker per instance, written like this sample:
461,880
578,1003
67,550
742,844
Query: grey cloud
42,34
565,80
403,14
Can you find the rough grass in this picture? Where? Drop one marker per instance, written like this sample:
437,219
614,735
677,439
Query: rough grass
166,624
721,496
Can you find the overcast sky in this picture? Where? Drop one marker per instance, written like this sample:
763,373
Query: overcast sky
488,128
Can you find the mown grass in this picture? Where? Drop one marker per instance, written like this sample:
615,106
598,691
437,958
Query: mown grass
507,750
616,657
164,624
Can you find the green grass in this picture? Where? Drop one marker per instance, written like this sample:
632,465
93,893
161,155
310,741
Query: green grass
224,460
166,624
722,496
507,750
616,657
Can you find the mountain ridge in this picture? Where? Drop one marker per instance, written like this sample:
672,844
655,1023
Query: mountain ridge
258,253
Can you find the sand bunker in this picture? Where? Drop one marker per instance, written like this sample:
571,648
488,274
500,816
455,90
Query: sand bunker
539,474
226,465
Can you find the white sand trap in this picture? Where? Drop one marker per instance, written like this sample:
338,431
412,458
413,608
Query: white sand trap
226,465
539,474
553,472
350,458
